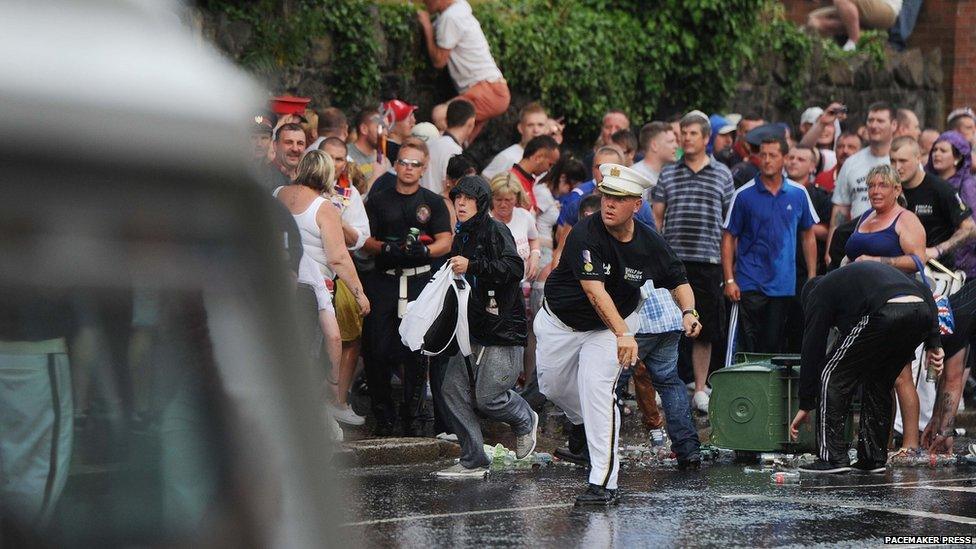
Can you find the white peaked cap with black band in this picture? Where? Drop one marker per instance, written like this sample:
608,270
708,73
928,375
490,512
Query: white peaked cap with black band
622,181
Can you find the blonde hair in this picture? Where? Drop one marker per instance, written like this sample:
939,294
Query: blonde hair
888,176
357,178
506,183
317,172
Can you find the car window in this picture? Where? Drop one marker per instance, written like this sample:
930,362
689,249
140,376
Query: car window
113,427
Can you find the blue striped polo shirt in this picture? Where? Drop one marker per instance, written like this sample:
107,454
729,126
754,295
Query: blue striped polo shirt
695,206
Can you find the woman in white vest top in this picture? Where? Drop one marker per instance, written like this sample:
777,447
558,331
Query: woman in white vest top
320,226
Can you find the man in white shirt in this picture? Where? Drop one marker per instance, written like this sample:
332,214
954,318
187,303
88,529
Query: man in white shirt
457,42
533,121
460,125
850,196
660,147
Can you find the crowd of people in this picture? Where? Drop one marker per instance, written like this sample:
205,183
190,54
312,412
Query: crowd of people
650,256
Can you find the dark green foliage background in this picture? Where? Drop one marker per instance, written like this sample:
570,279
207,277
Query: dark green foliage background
648,58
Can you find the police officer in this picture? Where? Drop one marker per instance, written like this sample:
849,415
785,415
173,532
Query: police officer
585,329
410,226
882,316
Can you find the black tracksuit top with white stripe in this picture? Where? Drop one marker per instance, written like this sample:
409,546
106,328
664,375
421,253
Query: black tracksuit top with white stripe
841,299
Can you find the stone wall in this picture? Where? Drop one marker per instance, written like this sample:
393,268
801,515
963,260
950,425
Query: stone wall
911,79
947,27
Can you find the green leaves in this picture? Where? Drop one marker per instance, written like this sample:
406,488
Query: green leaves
579,57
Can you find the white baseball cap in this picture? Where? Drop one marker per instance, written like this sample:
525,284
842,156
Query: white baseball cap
622,181
811,115
425,131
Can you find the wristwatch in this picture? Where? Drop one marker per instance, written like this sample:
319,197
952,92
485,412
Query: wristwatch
691,312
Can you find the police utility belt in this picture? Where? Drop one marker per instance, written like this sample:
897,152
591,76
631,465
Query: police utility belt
403,275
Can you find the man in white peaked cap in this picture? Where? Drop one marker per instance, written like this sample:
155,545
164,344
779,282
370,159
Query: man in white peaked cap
585,330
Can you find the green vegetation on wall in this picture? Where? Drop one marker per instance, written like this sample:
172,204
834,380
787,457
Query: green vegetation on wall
580,57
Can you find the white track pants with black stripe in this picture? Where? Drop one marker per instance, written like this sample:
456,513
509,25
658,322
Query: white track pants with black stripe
36,427
578,372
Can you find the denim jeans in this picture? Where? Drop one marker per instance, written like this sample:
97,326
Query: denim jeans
660,354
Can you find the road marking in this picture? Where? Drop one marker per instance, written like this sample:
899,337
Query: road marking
459,514
906,483
852,505
971,489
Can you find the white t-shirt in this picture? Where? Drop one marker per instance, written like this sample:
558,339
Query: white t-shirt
648,172
829,159
503,161
523,229
441,150
548,214
353,213
470,62
851,187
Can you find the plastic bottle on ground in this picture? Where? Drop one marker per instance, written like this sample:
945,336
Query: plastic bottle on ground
785,477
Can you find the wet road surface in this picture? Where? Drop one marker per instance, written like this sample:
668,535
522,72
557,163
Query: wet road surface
718,506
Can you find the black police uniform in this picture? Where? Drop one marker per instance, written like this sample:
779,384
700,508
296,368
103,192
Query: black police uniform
391,216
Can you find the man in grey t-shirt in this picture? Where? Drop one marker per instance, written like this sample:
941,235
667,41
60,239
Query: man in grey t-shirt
851,189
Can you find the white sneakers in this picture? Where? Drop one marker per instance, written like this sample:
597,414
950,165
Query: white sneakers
460,471
691,387
524,444
345,414
700,402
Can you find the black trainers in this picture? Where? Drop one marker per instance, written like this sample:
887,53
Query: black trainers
577,440
383,429
579,458
597,495
693,464
868,468
821,467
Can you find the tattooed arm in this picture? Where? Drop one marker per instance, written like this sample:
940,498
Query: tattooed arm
964,233
939,433
596,292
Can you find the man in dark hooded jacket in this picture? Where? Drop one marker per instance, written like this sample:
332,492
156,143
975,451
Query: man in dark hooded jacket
484,252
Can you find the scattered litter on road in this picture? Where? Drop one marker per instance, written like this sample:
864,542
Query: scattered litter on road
642,455
758,470
503,458
919,457
717,455
781,478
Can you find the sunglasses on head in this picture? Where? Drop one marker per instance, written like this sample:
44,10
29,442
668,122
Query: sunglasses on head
410,163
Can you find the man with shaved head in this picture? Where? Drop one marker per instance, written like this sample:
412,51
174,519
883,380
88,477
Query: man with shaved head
947,220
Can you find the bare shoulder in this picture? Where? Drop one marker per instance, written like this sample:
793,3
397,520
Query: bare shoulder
910,222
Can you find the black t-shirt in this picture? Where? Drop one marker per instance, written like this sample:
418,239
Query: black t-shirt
386,181
743,172
392,215
963,306
591,253
821,204
938,207
392,151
